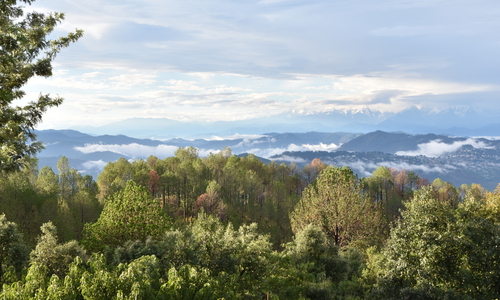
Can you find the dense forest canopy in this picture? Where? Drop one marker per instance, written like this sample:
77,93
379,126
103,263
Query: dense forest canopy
231,227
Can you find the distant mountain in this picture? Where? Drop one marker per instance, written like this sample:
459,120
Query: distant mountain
393,142
455,159
465,166
89,154
457,121
458,160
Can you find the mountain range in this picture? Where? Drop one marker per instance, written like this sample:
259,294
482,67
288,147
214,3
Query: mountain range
458,160
456,121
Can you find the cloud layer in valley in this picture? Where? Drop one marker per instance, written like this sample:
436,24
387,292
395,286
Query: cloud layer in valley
135,151
438,148
366,168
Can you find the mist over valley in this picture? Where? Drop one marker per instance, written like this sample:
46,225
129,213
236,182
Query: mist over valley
454,159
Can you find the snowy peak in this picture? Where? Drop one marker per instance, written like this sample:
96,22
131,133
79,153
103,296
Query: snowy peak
455,120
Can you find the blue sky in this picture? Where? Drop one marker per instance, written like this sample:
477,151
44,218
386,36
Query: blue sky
225,60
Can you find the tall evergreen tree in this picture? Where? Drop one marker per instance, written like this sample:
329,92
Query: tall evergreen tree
25,51
131,214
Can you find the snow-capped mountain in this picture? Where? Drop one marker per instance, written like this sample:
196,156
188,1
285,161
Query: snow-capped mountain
456,121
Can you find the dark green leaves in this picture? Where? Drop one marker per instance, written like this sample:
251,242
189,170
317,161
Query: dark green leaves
25,52
131,214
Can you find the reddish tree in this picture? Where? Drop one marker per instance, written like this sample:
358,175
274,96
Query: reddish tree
153,183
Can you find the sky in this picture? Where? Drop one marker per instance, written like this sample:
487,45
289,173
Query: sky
229,60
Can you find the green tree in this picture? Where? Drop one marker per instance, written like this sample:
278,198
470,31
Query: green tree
131,214
13,251
446,192
23,205
335,203
113,178
440,250
25,51
56,257
318,254
47,181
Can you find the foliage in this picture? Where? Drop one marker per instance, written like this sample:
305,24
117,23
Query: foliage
444,247
336,204
56,257
25,51
13,250
130,214
237,190
390,187
441,252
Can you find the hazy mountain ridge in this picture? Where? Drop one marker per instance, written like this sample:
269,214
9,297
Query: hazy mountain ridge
394,142
458,160
467,165
455,159
456,121
89,153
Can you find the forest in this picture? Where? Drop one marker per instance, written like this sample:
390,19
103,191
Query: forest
229,227
221,226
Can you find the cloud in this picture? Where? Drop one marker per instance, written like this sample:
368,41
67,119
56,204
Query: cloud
182,85
309,147
402,81
133,150
274,151
236,136
127,80
437,148
91,74
86,81
407,31
366,168
93,164
242,59
291,159
266,152
206,152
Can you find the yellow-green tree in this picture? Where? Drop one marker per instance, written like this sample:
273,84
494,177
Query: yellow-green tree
336,204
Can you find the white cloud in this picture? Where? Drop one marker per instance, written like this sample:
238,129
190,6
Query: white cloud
206,152
127,80
182,85
141,151
366,168
91,74
309,147
292,159
266,152
93,164
133,150
85,82
437,148
269,152
236,136
402,81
